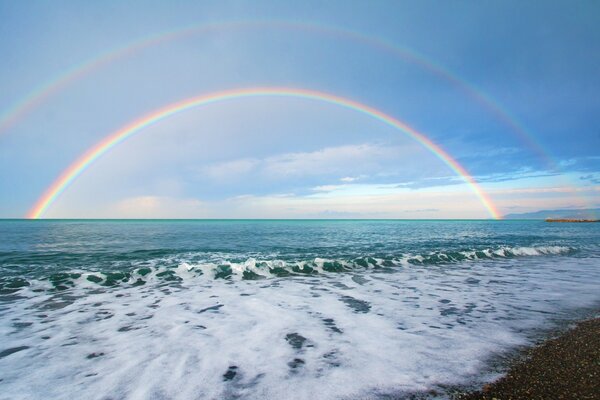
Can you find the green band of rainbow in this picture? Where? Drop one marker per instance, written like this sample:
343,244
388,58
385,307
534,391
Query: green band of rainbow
82,163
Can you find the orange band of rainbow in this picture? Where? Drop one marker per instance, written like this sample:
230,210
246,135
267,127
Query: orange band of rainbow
83,162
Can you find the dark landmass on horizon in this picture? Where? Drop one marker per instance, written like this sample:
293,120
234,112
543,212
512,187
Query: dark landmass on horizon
585,213
571,220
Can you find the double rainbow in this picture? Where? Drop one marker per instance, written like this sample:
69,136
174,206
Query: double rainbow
82,163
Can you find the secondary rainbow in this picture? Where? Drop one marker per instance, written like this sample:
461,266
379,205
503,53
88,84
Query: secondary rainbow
76,72
82,163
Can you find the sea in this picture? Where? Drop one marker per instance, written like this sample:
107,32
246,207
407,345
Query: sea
281,309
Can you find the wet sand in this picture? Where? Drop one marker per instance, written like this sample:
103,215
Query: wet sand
565,367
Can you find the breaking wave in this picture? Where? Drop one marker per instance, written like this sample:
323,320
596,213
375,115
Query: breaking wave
177,269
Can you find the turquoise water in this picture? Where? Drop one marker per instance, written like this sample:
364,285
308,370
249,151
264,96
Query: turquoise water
34,250
229,309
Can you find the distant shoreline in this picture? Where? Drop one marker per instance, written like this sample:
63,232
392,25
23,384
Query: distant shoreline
582,213
571,220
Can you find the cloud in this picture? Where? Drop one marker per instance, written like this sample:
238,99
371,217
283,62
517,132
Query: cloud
158,207
352,162
350,214
231,169
328,188
555,189
593,178
406,204
522,173
431,182
580,164
347,201
328,160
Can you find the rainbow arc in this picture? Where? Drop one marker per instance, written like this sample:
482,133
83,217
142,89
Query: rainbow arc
41,94
69,175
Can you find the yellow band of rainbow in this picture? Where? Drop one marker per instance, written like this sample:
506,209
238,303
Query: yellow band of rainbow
82,163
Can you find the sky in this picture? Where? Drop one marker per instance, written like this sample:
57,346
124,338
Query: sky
507,89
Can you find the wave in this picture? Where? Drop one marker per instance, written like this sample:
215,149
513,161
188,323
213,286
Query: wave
172,269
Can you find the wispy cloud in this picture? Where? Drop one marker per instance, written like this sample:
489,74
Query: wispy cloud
348,179
231,169
359,205
431,182
556,189
593,178
522,173
329,160
158,207
350,163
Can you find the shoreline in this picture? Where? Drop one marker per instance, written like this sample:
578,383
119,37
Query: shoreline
571,220
562,366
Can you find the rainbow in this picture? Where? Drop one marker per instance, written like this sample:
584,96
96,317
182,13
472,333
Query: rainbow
69,175
37,97
43,92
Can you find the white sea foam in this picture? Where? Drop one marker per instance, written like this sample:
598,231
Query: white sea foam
362,333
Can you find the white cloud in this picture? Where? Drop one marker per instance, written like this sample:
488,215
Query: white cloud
327,188
231,169
425,204
158,207
355,159
554,189
329,160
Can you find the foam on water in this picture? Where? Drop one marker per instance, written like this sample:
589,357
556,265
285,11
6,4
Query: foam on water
365,332
277,309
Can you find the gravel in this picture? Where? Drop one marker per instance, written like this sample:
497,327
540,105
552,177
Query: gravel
565,367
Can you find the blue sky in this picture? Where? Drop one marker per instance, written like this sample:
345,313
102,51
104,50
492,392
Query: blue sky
274,157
